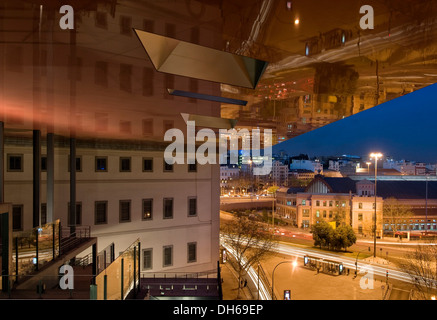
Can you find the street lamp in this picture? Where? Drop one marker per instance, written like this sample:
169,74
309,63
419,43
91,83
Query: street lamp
376,156
368,166
293,264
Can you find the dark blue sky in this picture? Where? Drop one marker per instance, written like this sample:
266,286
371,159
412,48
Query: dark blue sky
404,128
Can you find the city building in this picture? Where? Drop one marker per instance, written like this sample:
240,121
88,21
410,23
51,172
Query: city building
91,92
353,202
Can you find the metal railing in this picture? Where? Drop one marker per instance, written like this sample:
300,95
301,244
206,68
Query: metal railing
70,240
180,275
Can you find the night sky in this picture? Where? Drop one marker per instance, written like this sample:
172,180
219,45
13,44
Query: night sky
403,128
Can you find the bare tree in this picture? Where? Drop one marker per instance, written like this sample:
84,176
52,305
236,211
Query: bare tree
249,243
421,266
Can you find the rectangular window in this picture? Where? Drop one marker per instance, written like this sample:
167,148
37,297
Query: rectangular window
78,214
100,213
324,213
360,205
147,164
15,162
168,208
17,217
147,209
168,167
360,217
126,25
125,164
303,202
192,252
147,259
125,127
317,203
101,164
167,256
192,167
330,203
125,210
78,163
43,163
148,25
147,127
324,203
192,207
305,213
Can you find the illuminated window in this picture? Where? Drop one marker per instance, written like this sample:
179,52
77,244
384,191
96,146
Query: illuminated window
147,209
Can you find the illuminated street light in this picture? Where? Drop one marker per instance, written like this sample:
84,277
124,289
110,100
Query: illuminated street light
293,264
368,166
296,21
376,156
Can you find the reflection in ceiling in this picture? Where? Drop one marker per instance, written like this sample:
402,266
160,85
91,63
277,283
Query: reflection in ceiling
322,67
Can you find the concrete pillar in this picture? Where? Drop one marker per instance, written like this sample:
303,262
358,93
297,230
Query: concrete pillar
36,177
50,176
72,221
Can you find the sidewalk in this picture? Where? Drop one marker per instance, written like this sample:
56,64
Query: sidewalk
230,284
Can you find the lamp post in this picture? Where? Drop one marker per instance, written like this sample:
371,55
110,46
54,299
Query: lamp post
376,156
293,263
368,166
426,207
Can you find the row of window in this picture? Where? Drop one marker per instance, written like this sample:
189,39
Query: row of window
325,203
167,255
101,212
15,163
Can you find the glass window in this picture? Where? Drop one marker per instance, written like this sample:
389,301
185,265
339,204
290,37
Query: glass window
125,164
147,259
167,256
100,213
168,208
192,207
101,164
147,209
44,163
167,167
192,167
78,163
125,206
192,252
147,164
15,162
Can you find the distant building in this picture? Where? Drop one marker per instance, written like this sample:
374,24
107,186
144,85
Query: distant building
352,202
